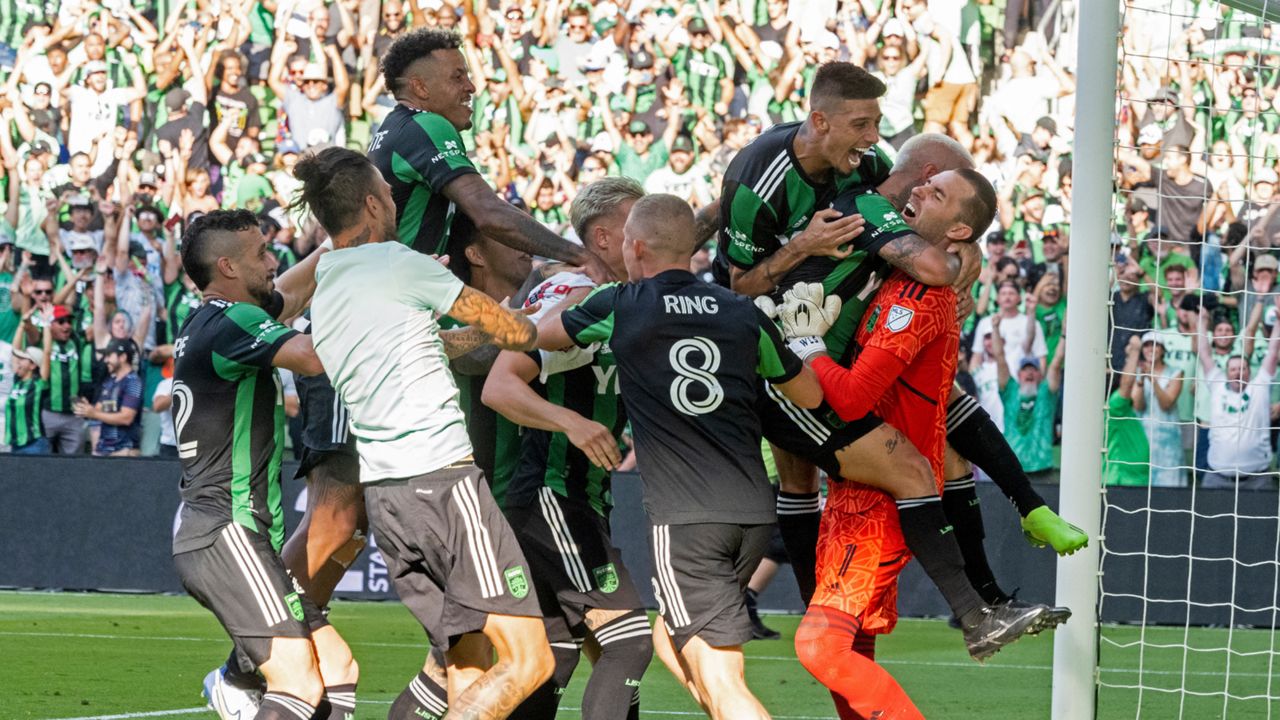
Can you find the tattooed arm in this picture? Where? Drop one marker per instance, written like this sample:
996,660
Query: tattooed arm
706,222
463,341
924,262
509,329
511,227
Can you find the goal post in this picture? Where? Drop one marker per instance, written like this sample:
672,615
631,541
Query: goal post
1075,647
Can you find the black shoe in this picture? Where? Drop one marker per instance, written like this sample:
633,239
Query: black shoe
1052,617
759,631
1000,625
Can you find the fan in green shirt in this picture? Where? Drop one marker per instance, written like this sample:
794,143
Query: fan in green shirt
1128,453
1030,403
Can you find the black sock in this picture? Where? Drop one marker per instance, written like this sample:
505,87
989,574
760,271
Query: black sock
626,647
283,706
799,515
975,436
964,512
423,698
338,703
543,703
931,540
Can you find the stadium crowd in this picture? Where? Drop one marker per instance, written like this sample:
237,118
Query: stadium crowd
123,121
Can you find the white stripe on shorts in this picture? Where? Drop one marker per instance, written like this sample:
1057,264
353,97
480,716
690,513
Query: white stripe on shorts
269,601
632,627
800,417
573,565
667,577
479,544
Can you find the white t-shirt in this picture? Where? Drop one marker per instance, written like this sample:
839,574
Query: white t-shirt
1014,331
92,115
373,321
986,377
690,186
1240,424
6,379
167,437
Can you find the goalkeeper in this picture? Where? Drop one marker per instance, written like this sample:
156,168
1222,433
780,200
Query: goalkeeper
904,369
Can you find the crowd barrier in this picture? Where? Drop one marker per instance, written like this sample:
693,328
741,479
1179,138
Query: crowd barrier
105,524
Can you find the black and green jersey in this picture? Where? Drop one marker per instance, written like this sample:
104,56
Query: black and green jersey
856,277
767,198
16,15
70,374
702,71
690,356
495,440
228,415
180,301
549,459
418,154
22,424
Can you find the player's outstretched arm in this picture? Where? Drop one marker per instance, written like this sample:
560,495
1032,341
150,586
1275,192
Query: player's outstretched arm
504,223
510,329
298,355
507,391
298,283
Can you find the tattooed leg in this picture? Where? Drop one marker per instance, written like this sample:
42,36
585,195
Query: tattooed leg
524,663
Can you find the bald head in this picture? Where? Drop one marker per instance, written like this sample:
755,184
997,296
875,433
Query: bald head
664,223
931,149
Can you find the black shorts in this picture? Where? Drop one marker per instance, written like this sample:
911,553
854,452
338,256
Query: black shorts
450,552
700,573
243,581
574,562
325,420
815,435
340,466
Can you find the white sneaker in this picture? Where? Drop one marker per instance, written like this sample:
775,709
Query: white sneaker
229,701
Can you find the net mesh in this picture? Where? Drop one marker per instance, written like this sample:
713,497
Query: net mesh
1191,543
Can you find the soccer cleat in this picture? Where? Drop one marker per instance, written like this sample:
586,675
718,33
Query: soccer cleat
1000,625
229,701
759,631
1050,619
1042,527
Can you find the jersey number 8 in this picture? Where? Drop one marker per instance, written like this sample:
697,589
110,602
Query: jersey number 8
688,375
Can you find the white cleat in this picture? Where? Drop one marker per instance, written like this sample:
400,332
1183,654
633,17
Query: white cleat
229,701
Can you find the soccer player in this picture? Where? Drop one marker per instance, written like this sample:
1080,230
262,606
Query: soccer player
420,152
559,499
455,562
904,368
778,228
229,421
689,359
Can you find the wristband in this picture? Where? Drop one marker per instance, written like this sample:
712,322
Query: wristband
807,346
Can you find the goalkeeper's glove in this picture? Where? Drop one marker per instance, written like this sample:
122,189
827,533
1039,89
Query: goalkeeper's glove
767,306
806,316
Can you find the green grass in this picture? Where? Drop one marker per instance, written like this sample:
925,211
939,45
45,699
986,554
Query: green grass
85,655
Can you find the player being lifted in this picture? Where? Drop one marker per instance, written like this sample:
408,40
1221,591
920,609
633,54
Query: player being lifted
454,560
904,368
689,359
844,99
229,419
559,499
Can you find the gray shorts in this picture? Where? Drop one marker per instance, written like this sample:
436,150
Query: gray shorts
451,554
243,581
700,573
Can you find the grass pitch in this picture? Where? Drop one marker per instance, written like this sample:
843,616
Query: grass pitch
66,655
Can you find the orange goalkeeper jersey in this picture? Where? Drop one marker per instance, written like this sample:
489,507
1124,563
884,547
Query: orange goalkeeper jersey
904,365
